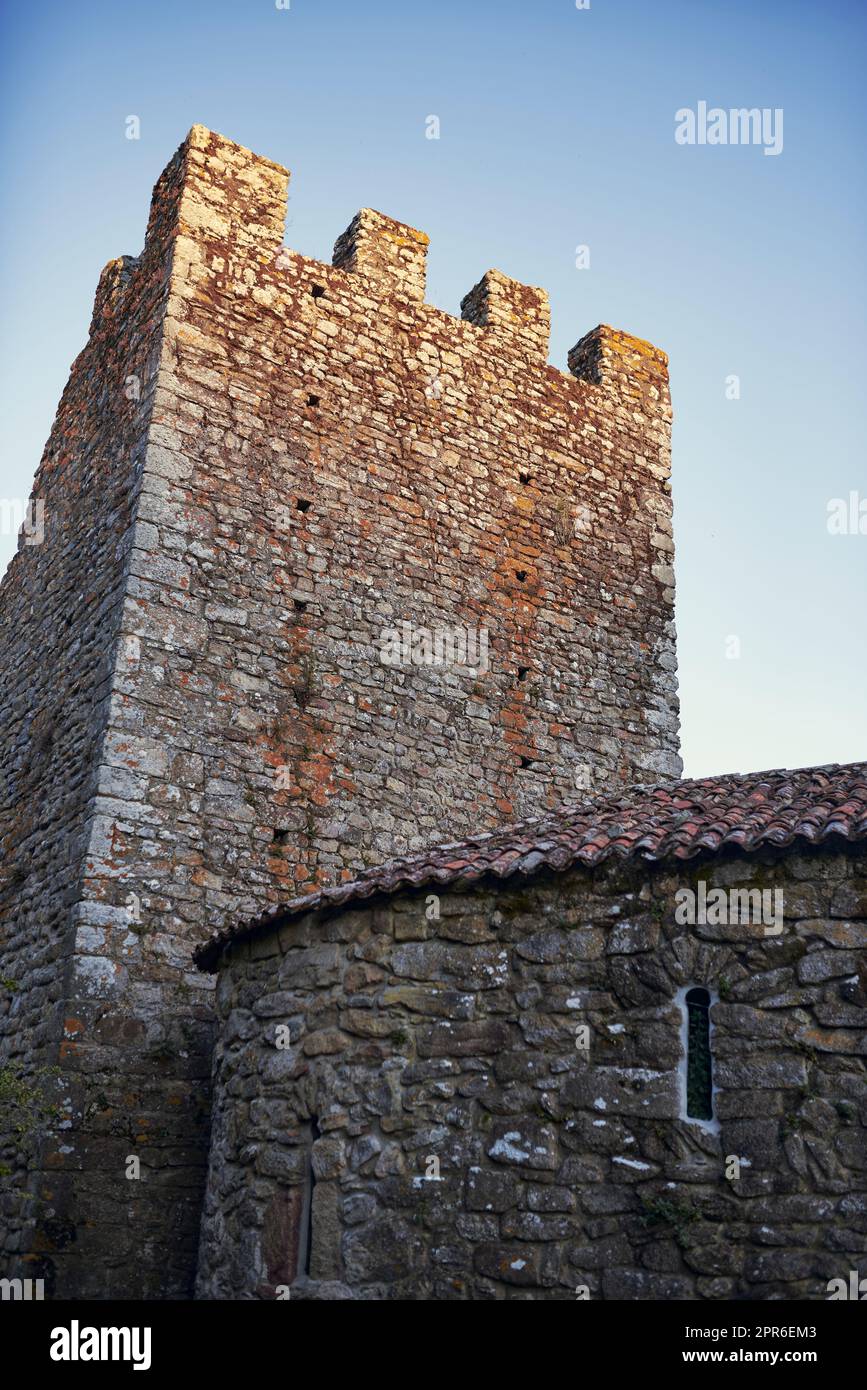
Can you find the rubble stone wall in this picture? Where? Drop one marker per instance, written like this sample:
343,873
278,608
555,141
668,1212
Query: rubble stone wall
401,1109
60,621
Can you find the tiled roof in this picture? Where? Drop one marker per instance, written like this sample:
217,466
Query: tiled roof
673,821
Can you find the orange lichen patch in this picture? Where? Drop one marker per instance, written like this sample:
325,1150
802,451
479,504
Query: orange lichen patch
205,878
278,867
831,1040
513,719
637,345
404,235
318,772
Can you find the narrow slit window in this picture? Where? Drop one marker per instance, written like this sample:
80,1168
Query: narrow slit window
310,1191
699,1079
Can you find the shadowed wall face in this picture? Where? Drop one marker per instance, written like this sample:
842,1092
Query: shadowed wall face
60,606
502,1092
360,576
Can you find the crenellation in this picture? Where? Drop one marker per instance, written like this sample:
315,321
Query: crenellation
388,252
520,312
609,357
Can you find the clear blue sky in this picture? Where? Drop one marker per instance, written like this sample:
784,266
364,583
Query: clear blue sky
557,129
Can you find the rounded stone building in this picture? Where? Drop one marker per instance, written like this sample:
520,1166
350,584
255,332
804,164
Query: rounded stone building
618,1052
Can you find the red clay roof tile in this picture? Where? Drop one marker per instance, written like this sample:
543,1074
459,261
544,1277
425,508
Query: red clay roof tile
672,821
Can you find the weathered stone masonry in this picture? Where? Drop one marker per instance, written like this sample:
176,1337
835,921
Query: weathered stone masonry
401,1110
60,607
259,464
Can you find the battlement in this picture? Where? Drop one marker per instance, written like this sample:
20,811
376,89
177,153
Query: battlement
390,253
218,194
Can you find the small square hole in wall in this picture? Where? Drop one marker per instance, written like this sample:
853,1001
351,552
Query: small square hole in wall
303,504
520,575
280,836
524,477
317,291
525,762
300,605
313,400
523,672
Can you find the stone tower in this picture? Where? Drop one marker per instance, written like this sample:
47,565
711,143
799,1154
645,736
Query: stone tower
327,575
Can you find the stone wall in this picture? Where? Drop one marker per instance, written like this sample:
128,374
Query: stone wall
261,464
337,458
60,605
401,1109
